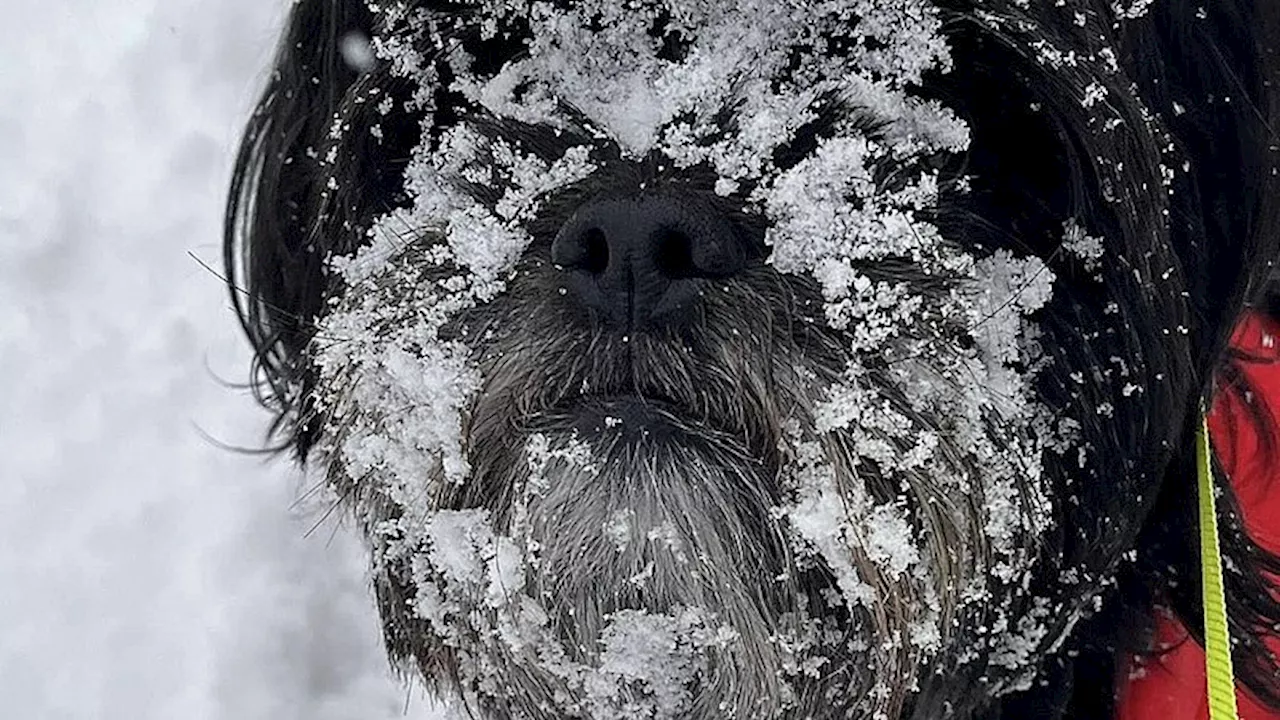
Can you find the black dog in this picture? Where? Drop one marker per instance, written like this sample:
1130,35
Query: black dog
803,360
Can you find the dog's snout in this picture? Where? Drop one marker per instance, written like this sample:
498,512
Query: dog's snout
635,261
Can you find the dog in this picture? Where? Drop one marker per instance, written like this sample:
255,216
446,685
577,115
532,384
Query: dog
696,359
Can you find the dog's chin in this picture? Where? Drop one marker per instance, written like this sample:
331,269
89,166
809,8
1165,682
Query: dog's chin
652,535
649,511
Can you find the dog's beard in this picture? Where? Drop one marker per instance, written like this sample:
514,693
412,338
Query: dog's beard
687,524
649,559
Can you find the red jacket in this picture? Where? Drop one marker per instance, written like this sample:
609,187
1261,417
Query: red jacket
1171,686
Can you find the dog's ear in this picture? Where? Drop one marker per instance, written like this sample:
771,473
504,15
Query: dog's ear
1183,94
1212,71
286,212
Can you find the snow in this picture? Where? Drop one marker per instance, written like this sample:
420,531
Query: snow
618,529
147,571
1079,244
650,655
889,540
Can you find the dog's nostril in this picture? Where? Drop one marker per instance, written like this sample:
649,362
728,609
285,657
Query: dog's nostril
580,248
673,254
595,248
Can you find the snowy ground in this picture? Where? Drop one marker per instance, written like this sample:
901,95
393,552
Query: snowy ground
146,572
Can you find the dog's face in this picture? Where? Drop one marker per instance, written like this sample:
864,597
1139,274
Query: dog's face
710,359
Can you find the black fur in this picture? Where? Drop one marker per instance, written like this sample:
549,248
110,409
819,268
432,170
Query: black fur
1193,260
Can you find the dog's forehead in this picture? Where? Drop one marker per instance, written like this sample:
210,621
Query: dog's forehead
718,86
636,70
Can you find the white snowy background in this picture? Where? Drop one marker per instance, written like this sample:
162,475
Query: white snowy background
145,571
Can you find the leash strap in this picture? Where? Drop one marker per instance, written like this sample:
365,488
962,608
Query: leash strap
1217,638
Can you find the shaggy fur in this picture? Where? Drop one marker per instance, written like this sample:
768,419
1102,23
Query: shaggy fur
1194,85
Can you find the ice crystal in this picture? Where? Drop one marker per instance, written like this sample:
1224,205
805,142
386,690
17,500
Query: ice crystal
1086,248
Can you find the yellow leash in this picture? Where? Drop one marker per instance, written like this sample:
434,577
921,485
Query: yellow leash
1217,639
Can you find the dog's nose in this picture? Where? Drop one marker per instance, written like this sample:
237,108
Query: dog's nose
636,261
